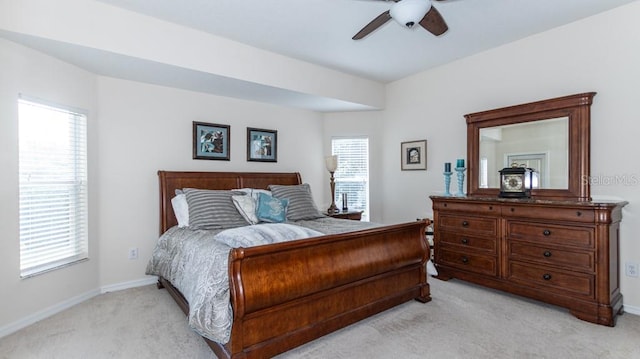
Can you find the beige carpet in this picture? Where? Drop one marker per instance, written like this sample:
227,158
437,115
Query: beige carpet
462,321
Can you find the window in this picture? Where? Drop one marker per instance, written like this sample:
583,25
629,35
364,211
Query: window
53,186
352,175
484,174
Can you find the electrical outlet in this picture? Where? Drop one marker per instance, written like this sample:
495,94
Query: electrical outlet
133,253
631,269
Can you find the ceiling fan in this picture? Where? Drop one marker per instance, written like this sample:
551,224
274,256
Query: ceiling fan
407,13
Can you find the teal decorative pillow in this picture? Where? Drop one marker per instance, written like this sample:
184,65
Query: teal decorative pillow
271,209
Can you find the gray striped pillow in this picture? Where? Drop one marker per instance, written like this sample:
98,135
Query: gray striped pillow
212,209
301,204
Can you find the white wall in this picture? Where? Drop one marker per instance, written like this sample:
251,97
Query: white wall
596,54
366,124
29,72
146,128
135,130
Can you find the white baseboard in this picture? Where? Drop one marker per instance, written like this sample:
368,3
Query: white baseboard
45,313
631,310
131,284
57,308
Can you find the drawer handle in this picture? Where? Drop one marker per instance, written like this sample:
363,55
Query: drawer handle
546,276
512,209
491,208
465,260
546,254
578,213
465,223
464,241
546,232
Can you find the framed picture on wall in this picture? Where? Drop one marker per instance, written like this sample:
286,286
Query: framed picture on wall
211,141
262,145
413,155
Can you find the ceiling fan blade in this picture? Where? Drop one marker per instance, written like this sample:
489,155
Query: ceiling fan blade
434,23
374,24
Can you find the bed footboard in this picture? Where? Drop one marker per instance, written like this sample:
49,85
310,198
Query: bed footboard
287,294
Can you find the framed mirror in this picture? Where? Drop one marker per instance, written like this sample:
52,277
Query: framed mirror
550,136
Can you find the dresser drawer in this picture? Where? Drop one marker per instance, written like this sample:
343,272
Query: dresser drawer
578,260
483,264
551,213
471,242
468,224
551,234
563,282
562,252
478,208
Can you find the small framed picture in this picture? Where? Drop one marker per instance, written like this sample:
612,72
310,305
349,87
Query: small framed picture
413,155
262,145
211,141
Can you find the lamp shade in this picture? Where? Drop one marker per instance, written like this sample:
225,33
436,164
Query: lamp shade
332,163
409,12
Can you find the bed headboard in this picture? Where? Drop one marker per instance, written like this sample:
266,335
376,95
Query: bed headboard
172,180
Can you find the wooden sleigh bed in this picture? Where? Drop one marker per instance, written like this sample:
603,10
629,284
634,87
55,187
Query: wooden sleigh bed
286,294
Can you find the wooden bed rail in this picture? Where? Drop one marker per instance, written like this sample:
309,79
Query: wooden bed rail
285,294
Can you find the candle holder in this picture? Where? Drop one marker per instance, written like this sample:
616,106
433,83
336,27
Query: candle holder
447,183
460,178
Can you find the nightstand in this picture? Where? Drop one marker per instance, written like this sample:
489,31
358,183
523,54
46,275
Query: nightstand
353,215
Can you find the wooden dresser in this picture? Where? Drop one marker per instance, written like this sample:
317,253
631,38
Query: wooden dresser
564,253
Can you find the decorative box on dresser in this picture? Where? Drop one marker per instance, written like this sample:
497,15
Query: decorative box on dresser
561,252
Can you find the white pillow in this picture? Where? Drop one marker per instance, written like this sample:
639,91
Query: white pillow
253,192
246,205
181,209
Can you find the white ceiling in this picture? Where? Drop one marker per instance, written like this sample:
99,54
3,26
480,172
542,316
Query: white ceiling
318,32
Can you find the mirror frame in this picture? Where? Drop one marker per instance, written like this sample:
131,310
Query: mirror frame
576,107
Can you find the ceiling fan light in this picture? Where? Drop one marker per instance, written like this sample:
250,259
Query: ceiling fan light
409,12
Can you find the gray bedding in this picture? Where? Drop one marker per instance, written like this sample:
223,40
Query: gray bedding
196,263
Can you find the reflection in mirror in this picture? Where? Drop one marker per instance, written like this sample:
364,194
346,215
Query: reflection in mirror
562,172
542,145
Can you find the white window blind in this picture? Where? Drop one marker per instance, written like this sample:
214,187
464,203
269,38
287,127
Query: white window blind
53,186
352,175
